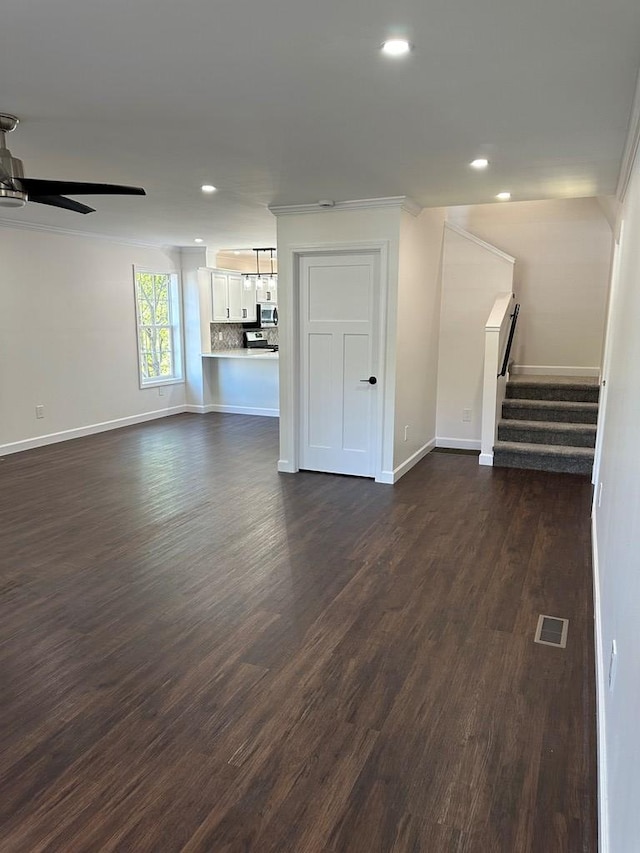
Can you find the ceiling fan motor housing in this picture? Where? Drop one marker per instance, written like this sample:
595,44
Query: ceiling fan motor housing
11,171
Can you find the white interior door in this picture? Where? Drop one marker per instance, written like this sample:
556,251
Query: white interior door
338,362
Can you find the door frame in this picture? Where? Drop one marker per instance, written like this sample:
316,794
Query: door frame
290,374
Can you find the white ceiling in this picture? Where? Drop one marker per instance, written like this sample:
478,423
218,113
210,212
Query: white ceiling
290,101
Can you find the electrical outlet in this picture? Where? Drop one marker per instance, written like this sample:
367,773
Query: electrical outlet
599,494
39,411
466,416
613,664
161,391
406,432
219,336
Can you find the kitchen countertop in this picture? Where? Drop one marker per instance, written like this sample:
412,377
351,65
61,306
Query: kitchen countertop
242,353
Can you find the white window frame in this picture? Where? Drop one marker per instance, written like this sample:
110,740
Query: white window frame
175,327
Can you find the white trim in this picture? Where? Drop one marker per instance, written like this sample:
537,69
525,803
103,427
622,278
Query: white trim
601,687
391,477
552,370
486,459
472,237
606,354
241,410
402,201
500,308
631,148
286,467
90,429
458,443
92,235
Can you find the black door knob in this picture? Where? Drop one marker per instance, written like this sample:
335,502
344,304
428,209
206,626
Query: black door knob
371,380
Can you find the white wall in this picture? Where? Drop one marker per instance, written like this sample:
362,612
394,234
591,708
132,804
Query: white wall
332,228
68,335
472,278
562,250
417,333
617,545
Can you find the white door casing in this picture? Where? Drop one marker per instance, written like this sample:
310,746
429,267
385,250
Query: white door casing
339,351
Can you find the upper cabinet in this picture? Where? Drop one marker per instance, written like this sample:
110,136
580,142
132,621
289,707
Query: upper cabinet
226,297
233,297
268,292
248,299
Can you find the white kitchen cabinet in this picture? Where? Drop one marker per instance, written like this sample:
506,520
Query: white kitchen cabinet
226,296
234,291
249,299
267,292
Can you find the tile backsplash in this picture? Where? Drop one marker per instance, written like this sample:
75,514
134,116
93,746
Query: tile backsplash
232,336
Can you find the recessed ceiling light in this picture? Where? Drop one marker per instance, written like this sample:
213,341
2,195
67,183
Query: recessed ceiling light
208,188
479,163
197,239
503,196
396,47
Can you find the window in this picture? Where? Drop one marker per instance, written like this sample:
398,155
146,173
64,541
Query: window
158,315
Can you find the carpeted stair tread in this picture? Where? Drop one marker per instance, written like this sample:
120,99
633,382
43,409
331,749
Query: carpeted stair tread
568,427
543,457
574,405
544,449
550,410
557,381
569,388
547,432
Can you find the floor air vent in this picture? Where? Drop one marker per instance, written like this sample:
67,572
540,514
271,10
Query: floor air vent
552,631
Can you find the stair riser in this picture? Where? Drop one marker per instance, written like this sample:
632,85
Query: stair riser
533,413
546,436
539,392
560,465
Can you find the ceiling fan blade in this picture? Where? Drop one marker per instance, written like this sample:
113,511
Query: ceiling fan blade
60,201
37,187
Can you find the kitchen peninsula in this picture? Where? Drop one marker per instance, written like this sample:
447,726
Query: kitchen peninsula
241,381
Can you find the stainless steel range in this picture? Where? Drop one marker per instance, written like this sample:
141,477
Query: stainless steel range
257,341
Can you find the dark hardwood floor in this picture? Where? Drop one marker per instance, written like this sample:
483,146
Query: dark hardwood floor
199,654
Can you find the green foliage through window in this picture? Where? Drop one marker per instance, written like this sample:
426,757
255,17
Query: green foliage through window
155,295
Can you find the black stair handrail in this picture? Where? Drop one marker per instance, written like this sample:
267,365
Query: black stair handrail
512,330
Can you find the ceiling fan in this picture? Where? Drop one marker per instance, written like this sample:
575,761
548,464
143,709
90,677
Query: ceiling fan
16,190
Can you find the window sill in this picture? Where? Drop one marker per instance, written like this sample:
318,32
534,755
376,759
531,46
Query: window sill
159,383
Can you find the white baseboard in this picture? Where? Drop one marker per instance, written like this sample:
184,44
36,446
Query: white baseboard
242,410
391,477
552,370
486,459
601,687
90,429
195,409
459,443
286,467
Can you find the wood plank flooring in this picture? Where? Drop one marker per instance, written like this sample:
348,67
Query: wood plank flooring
200,654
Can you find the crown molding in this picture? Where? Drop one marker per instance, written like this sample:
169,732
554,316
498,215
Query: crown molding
402,202
472,237
21,225
631,146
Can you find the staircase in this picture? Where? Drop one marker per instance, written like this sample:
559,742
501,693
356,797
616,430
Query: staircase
548,424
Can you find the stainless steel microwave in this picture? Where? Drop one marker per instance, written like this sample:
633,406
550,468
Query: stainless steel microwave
267,314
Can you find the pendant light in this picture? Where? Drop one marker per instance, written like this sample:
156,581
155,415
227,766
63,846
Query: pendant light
257,275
